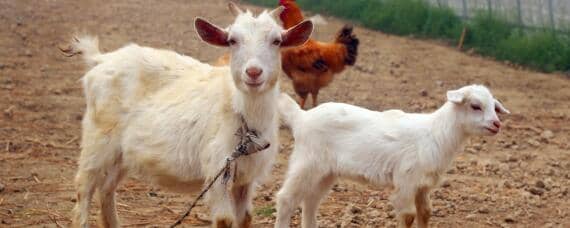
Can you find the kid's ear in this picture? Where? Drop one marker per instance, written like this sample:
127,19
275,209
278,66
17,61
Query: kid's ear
500,108
456,96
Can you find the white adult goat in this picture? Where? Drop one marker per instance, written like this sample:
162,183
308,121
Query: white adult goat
406,151
172,119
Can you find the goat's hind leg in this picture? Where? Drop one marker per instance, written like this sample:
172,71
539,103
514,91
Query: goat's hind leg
85,182
109,216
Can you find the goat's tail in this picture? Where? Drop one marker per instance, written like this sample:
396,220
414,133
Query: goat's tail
290,112
87,46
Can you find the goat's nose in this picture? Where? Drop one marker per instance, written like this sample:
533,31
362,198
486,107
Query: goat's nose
253,72
497,123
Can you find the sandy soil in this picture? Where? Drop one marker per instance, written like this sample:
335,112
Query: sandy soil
520,178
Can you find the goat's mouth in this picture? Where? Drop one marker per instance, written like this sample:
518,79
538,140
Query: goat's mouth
492,130
254,84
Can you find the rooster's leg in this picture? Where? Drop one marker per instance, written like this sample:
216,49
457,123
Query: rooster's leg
314,96
302,102
303,99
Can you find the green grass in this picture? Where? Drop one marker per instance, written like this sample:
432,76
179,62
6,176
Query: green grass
266,211
488,34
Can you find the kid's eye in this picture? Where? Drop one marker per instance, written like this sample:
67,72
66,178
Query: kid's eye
476,107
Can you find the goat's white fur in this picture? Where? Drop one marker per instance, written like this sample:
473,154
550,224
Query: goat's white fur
171,119
404,150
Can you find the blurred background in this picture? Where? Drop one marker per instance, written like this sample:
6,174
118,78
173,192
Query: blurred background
529,32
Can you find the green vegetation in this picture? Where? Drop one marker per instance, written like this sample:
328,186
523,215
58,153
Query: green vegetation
488,34
266,211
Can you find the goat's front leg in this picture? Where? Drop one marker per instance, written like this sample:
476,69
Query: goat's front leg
220,206
403,202
242,197
423,207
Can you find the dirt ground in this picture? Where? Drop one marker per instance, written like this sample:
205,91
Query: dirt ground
520,178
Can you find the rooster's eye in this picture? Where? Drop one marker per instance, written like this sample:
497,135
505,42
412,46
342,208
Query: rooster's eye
277,42
232,42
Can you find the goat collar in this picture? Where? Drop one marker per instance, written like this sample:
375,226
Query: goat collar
250,140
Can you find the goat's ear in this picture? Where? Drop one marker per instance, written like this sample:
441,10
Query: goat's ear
297,35
499,108
210,33
456,96
234,9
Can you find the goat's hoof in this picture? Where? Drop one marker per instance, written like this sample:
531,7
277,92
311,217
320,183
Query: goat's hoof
223,223
246,223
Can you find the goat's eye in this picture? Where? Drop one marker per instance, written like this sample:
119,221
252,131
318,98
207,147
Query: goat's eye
277,42
476,107
232,41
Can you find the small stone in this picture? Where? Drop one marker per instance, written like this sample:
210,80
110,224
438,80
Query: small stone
510,219
483,210
445,184
512,158
547,134
540,184
2,187
152,194
471,216
28,53
424,93
439,83
355,210
533,142
73,200
536,191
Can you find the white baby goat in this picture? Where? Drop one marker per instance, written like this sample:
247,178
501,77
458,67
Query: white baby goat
407,151
172,119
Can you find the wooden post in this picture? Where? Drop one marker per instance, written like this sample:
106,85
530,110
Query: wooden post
462,38
489,7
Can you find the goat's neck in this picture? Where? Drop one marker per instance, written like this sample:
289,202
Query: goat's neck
257,109
448,135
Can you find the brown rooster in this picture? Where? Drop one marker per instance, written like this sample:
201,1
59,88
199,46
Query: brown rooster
312,65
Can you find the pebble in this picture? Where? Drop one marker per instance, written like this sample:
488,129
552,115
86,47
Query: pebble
510,219
355,210
547,134
533,142
471,216
439,83
424,93
152,194
483,210
2,187
540,184
536,191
